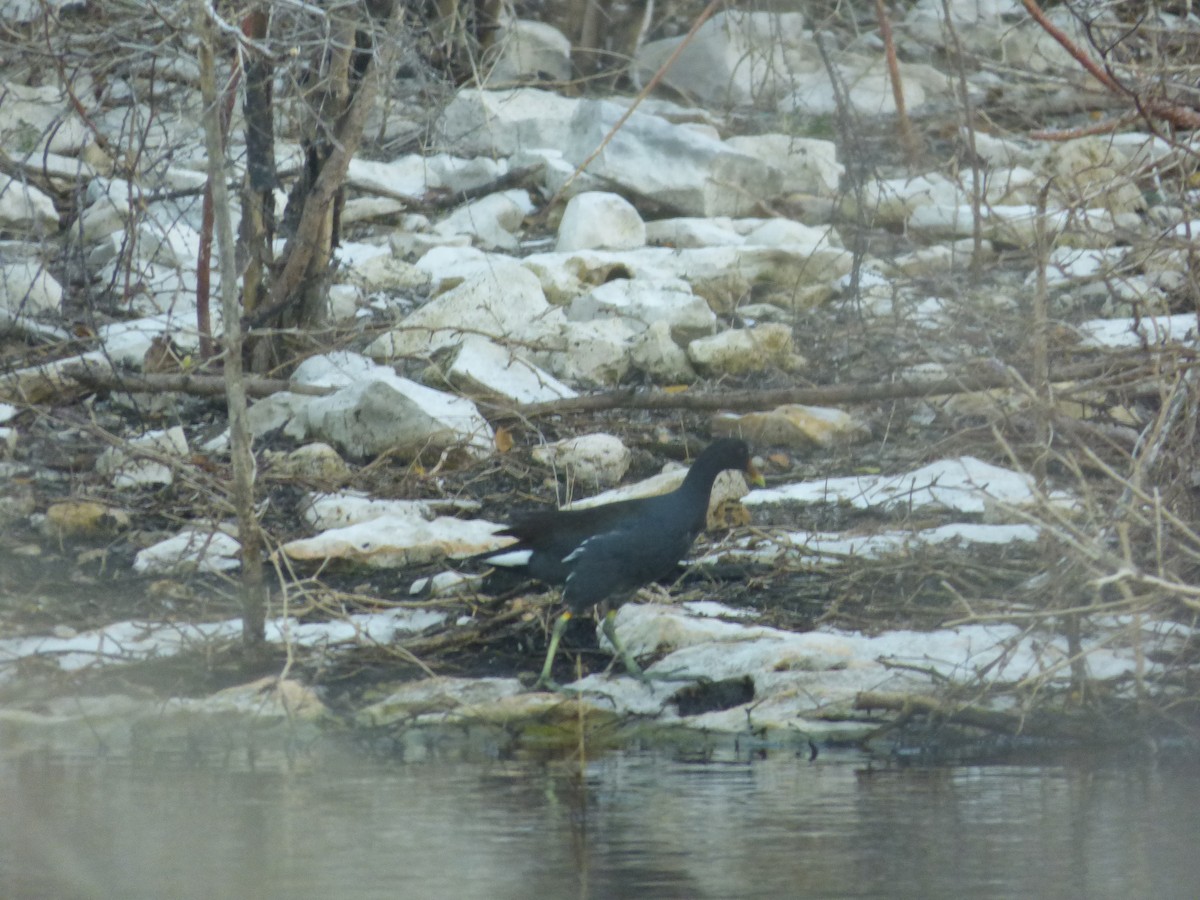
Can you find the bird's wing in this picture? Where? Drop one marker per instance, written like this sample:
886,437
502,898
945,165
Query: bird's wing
619,562
541,526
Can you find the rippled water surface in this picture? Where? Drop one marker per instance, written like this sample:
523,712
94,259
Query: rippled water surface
626,825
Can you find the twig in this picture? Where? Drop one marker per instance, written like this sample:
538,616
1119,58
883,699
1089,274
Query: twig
889,52
1179,116
969,128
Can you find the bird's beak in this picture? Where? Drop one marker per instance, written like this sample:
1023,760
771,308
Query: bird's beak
754,476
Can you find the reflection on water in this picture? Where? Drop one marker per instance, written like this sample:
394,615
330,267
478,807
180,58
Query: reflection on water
635,825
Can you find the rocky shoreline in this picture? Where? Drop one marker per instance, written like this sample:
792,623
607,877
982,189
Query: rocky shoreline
976,548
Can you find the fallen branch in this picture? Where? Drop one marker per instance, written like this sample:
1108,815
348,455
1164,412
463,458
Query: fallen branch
1127,367
828,394
460,638
104,378
974,716
912,704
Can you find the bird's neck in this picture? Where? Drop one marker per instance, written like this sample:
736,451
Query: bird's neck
700,478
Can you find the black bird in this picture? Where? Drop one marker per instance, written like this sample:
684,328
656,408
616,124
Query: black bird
603,554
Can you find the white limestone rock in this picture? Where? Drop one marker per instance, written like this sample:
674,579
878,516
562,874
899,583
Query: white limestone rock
384,272
962,484
192,550
892,201
126,342
939,259
1030,47
501,123
23,12
525,50
344,301
341,508
128,470
443,699
379,411
642,302
26,210
336,369
456,174
27,289
392,541
316,461
736,58
160,290
600,220
1090,172
502,301
656,354
37,119
793,425
405,178
864,84
558,175
788,233
595,460
590,353
447,266
447,584
1139,331
482,368
372,209
742,350
1018,225
102,217
168,243
691,231
808,165
722,274
669,164
492,221
1139,148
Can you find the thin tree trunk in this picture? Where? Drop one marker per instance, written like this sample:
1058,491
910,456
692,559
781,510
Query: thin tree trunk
253,589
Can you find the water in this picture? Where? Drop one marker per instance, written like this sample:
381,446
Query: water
632,825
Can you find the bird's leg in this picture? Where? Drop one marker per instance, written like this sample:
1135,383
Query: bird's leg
631,666
544,680
610,631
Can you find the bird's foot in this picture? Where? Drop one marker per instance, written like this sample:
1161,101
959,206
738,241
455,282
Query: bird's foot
675,675
648,678
542,683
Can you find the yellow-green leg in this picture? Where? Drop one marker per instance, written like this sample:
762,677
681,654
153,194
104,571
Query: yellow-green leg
609,628
610,631
560,625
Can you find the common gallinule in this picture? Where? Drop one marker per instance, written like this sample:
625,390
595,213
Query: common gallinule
603,554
